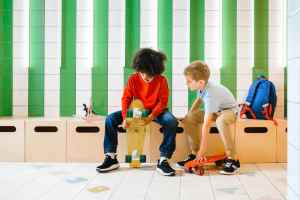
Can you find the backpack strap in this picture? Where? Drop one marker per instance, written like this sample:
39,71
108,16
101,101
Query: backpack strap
246,109
252,92
267,109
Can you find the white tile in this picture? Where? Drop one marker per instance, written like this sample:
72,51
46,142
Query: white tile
275,50
244,18
18,50
52,5
18,34
211,33
115,50
293,31
83,82
179,82
245,80
82,18
20,111
292,194
116,5
244,4
114,98
243,50
82,50
180,34
114,66
82,5
52,66
83,34
115,18
211,5
52,82
82,96
180,50
212,18
147,33
179,65
117,82
115,34
275,17
52,18
244,66
52,34
20,82
293,124
180,5
211,50
159,188
275,4
180,18
293,167
294,81
148,5
244,34
52,98
19,4
52,111
21,99
146,18
52,50
18,18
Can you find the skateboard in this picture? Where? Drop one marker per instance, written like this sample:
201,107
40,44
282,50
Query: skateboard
136,133
197,166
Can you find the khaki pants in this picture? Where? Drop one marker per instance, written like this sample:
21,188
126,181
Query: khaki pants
193,126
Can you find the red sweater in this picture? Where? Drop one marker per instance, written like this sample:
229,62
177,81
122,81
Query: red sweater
154,94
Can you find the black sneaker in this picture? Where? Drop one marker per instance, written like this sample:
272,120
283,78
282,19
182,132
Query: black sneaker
165,169
230,167
108,164
189,158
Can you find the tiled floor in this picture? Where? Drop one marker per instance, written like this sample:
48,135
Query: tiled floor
27,181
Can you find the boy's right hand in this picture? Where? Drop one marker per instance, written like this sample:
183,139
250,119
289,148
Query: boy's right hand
125,124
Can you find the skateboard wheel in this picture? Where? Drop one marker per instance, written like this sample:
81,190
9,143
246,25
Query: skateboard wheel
128,158
142,158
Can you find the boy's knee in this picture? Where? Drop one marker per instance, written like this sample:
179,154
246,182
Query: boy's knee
172,123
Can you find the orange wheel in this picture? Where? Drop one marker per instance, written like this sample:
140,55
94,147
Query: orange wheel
199,170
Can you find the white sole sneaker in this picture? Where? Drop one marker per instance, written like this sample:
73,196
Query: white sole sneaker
229,173
164,173
113,167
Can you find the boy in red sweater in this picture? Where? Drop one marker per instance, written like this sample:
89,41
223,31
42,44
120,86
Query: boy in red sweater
148,85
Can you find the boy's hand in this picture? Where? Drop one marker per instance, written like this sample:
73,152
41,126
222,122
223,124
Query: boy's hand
201,157
148,120
125,124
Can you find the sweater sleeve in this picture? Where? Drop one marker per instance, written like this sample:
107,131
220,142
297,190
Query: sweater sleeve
127,97
163,98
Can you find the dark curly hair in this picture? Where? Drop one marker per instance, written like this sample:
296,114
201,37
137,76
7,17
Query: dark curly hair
149,61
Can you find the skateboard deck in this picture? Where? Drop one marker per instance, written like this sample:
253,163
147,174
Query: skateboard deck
136,133
197,166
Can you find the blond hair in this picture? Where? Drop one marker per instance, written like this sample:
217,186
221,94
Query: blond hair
198,70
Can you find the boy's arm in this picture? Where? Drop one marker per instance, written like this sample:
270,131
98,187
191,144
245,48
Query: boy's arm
196,104
162,101
127,98
208,120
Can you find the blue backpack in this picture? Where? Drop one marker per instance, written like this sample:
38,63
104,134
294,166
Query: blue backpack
261,100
